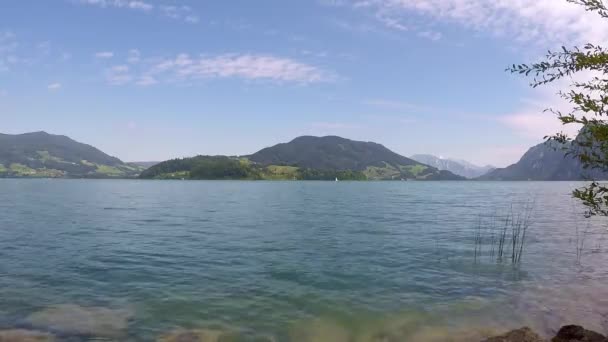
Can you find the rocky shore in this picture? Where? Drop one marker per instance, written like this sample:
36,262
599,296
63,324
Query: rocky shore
568,333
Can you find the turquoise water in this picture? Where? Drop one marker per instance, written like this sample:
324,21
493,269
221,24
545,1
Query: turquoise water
283,261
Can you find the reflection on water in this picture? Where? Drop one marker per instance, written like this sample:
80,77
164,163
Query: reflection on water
287,261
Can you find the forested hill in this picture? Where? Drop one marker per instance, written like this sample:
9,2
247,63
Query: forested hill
304,158
545,162
40,154
330,152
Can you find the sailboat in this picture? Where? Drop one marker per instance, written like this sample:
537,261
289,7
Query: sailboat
336,179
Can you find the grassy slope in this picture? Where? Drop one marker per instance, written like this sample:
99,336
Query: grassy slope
40,154
44,158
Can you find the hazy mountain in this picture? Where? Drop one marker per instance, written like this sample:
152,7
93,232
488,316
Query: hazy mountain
543,162
305,157
40,154
459,167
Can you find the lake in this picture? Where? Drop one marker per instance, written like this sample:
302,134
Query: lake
294,261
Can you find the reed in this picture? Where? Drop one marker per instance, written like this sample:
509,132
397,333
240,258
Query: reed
503,236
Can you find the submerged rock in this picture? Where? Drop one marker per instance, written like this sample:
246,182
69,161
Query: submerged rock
319,330
520,335
19,335
74,319
575,333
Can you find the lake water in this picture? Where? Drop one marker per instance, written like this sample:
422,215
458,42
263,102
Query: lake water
293,261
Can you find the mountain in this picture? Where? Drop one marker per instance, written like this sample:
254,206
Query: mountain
307,157
40,154
144,164
458,167
545,162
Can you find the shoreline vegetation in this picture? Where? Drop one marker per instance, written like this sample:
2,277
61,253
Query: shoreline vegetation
242,168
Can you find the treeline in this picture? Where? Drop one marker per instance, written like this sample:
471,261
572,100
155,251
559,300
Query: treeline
313,174
227,168
200,167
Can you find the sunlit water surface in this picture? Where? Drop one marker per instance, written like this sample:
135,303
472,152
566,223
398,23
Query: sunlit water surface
292,261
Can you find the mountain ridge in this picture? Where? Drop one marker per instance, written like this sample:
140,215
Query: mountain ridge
41,154
306,157
545,162
459,167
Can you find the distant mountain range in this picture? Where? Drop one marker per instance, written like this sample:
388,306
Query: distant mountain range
40,154
305,157
545,162
458,167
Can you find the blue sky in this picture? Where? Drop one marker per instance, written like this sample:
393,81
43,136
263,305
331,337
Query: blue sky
152,80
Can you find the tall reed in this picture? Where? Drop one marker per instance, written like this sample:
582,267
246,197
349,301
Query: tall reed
505,241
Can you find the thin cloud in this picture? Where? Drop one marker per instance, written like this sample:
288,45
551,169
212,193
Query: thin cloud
134,56
541,21
8,42
54,86
432,35
146,80
177,12
531,120
127,4
184,13
186,68
104,54
8,47
118,75
193,19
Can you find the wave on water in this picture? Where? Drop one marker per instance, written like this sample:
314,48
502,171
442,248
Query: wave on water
120,208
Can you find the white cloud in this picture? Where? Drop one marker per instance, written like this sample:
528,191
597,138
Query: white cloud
543,21
128,4
178,12
245,66
184,68
8,47
146,80
104,54
54,86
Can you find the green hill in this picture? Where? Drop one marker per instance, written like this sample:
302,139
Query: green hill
304,158
40,154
